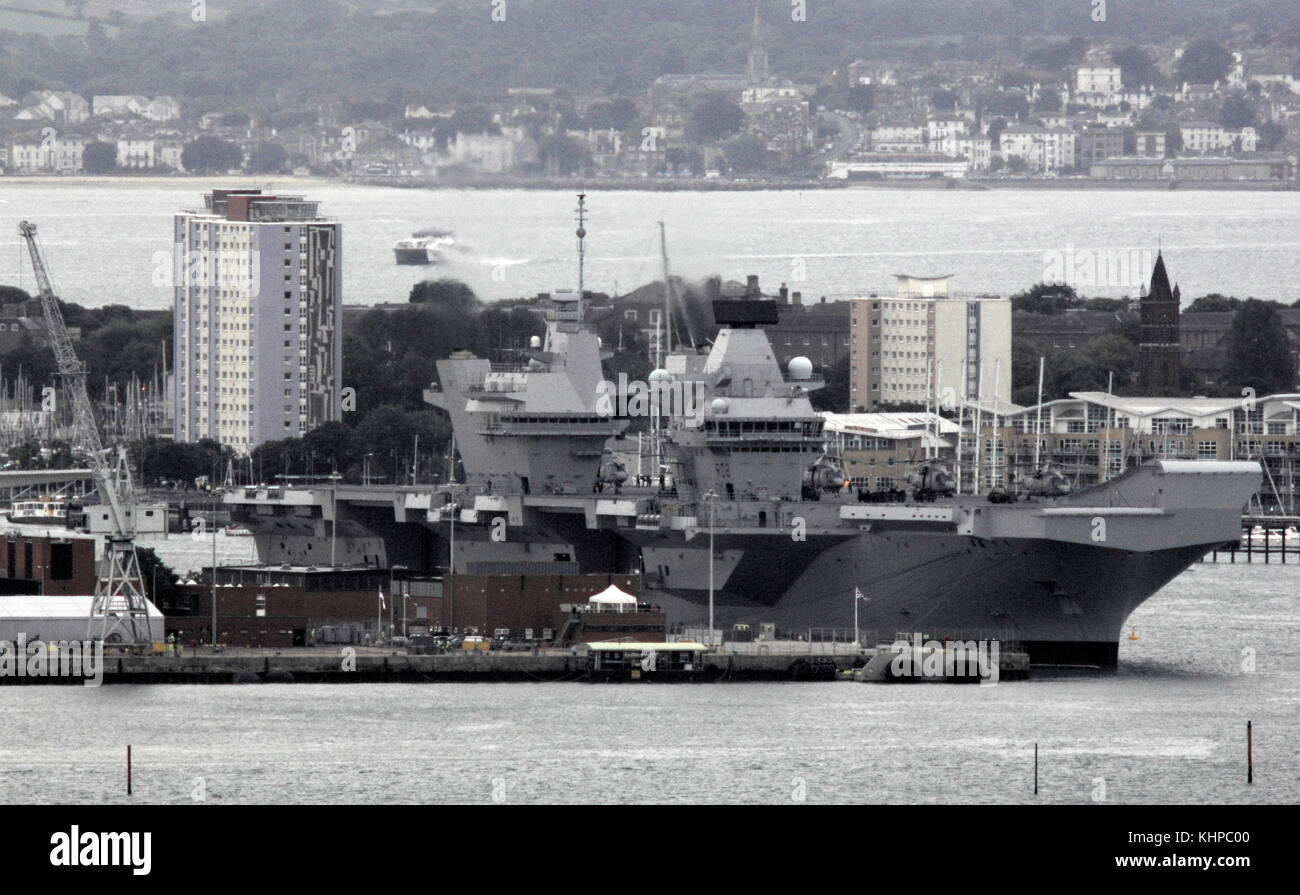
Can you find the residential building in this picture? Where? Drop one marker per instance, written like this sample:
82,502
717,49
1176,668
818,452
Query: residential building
1149,144
878,449
1094,436
1096,144
1206,136
54,105
1102,79
1068,332
817,331
1204,337
925,341
1043,149
137,154
51,155
23,323
899,165
258,311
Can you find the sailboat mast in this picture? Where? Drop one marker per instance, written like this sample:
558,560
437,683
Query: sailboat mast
668,285
979,424
582,251
1038,421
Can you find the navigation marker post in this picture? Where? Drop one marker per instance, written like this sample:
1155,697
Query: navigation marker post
1250,753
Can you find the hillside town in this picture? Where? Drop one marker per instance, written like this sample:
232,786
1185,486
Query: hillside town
1201,110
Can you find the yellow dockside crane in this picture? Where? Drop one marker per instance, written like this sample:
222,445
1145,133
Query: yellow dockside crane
119,613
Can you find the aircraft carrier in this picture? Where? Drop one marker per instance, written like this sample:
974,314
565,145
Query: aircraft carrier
541,492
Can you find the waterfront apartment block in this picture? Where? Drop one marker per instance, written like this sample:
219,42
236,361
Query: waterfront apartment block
927,342
879,449
1094,436
258,312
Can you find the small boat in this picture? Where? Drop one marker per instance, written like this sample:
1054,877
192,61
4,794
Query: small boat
41,511
237,531
422,247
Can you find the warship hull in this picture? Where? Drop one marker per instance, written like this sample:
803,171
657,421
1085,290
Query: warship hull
1060,577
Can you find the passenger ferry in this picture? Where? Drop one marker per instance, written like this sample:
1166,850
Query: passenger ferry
40,511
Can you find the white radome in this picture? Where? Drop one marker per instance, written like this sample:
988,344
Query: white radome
719,406
535,342
800,368
661,375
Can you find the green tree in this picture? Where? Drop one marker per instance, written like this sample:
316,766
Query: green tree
713,118
1237,112
747,153
619,113
561,155
859,98
1045,298
1259,353
99,158
1173,140
1214,302
447,293
834,396
943,100
267,158
211,155
1137,68
1204,61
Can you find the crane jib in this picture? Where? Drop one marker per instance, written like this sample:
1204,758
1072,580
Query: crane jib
119,592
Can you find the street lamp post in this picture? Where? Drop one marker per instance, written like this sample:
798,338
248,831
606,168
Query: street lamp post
858,595
451,567
711,496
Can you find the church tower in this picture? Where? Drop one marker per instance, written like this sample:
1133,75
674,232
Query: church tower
1159,350
758,68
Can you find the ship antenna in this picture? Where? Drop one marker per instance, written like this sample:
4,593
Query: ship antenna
582,250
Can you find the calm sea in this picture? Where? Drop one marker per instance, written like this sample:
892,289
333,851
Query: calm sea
1168,727
110,240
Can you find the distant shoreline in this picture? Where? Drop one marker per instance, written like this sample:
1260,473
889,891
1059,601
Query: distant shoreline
597,184
606,184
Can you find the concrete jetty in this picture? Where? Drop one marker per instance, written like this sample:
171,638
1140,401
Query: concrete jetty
348,665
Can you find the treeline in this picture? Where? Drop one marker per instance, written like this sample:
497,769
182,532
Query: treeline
1259,351
296,51
117,344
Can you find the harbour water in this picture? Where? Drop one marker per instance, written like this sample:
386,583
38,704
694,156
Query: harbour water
1218,646
109,240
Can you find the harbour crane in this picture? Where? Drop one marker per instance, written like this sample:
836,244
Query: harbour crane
119,612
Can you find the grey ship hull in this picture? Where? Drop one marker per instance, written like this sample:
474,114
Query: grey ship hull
1060,576
1065,603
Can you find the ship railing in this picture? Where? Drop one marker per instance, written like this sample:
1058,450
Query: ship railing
618,608
814,378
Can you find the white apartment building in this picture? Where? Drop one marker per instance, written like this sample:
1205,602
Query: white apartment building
899,138
1102,79
1207,136
944,128
137,153
976,149
1042,148
927,342
258,312
159,108
54,155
